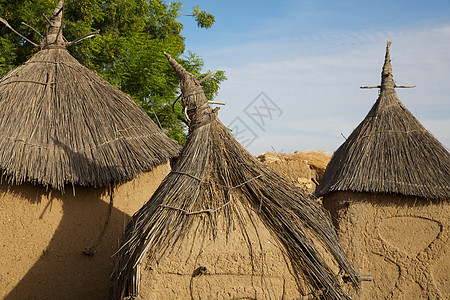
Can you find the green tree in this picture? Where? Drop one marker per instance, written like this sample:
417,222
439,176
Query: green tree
128,52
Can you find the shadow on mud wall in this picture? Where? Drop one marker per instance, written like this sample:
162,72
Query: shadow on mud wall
63,271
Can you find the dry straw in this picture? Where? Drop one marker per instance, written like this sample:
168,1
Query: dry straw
389,152
216,178
61,123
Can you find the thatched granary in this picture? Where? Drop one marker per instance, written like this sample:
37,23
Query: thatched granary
224,226
388,190
64,128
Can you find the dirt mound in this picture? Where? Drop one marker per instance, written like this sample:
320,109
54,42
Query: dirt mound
304,169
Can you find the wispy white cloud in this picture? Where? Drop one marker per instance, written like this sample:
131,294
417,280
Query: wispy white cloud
315,81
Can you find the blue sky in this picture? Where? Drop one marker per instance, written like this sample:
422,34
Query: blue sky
309,58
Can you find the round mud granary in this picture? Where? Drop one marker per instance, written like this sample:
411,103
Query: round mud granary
224,226
78,157
388,190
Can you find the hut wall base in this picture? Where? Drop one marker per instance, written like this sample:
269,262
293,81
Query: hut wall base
43,234
401,241
201,267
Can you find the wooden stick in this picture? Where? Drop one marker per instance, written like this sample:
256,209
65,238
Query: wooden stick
13,30
23,23
45,17
83,37
404,86
217,102
395,86
208,76
370,87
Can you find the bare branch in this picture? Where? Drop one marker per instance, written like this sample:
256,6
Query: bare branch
13,30
23,23
83,37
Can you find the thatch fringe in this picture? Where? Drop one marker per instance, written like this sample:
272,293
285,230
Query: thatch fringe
212,178
389,152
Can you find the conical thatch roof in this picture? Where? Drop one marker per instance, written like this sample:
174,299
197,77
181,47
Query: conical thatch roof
213,177
389,152
61,123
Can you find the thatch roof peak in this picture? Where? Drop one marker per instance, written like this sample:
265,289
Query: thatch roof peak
185,77
53,38
197,109
53,32
389,152
387,77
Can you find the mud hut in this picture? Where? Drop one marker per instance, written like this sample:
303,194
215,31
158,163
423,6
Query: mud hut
388,189
224,226
64,128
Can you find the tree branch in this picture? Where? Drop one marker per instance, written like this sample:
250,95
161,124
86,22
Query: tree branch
83,37
23,23
13,30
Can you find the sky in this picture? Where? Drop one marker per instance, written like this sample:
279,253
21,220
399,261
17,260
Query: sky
295,68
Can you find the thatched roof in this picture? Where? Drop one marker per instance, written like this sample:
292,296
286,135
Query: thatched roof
62,123
389,152
213,176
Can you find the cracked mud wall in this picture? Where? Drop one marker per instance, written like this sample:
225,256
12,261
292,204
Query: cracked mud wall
43,234
402,242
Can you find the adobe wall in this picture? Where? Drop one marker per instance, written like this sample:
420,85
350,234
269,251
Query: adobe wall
402,242
203,268
43,234
304,169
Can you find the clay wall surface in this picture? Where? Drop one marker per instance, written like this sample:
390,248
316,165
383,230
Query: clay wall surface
304,169
402,242
43,235
204,268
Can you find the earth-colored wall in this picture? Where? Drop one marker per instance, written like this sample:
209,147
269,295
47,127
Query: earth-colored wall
206,268
43,234
402,242
304,169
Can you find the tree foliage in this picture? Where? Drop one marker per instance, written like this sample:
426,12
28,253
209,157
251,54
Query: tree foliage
128,53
